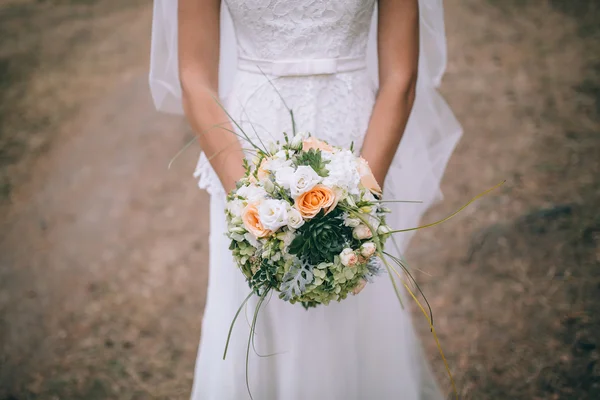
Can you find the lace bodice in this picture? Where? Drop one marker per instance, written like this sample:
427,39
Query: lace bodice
276,29
332,105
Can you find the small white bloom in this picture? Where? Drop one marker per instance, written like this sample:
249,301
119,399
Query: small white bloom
351,222
297,140
252,193
348,257
283,176
342,171
304,179
235,207
278,161
295,219
367,249
362,232
373,221
268,185
273,214
368,196
252,240
273,147
350,201
383,229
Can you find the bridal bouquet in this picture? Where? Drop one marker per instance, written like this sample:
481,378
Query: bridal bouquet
307,221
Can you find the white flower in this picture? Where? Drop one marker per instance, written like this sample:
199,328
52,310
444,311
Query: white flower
235,207
367,249
273,214
283,176
272,147
350,201
383,229
252,193
297,140
373,220
351,222
348,257
268,185
304,179
277,161
368,196
295,219
362,232
342,171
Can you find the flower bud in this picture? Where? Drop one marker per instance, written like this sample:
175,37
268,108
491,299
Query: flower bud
362,232
348,257
367,249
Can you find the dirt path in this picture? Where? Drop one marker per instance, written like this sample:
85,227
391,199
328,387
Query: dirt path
103,250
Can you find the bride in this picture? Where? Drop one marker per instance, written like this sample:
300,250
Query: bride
361,72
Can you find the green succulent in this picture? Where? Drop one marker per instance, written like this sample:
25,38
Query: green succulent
314,159
322,238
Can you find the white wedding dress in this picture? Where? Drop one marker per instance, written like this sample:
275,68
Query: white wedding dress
315,53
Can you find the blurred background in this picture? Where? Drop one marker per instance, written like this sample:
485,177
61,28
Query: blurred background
103,250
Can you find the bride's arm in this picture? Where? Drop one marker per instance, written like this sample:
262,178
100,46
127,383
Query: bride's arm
398,49
198,32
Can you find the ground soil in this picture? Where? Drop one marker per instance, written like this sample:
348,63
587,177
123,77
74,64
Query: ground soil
103,250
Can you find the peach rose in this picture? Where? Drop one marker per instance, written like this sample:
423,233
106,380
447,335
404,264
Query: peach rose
314,143
318,198
252,222
367,179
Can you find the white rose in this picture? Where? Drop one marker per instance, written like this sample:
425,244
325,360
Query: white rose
273,214
348,257
295,219
283,176
252,193
304,179
362,232
367,249
298,140
351,222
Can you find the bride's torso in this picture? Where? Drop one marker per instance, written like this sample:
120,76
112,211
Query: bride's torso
305,55
332,97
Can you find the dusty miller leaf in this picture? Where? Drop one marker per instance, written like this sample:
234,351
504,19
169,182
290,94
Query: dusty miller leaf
295,280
